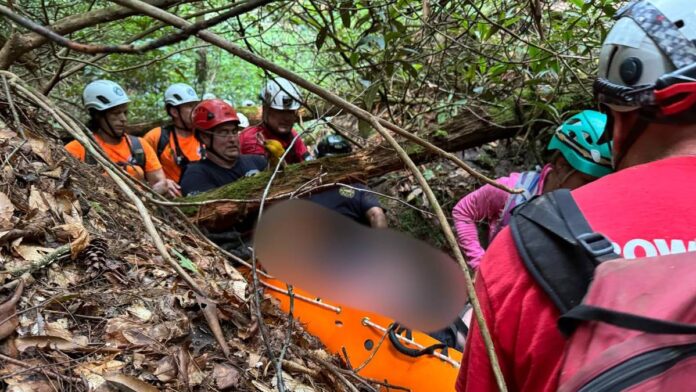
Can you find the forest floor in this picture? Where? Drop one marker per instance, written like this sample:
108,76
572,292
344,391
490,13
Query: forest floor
88,303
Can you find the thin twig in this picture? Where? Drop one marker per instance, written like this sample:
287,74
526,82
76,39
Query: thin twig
47,372
335,371
385,384
43,262
257,296
296,367
15,116
170,39
373,353
133,67
288,333
7,160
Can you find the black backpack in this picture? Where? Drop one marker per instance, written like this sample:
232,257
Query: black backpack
558,247
621,334
168,132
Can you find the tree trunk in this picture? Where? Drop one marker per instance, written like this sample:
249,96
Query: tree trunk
201,63
358,167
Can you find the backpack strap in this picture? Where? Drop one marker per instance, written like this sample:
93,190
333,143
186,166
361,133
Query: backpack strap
137,151
569,321
529,181
558,247
163,139
170,132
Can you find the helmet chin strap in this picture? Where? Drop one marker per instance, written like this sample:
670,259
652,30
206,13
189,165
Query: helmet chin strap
111,131
210,149
178,113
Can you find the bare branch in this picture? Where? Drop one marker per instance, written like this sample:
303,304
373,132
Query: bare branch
129,48
141,35
18,44
59,39
133,67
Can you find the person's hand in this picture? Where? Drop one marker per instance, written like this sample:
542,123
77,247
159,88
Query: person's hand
173,189
168,188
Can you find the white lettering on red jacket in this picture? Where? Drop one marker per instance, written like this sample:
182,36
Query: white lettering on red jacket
639,247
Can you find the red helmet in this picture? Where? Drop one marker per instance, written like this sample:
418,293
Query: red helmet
212,112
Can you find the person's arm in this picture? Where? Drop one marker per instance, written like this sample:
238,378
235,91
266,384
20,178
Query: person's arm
155,175
259,162
162,184
369,205
377,218
485,203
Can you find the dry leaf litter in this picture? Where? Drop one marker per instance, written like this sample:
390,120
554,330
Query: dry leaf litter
87,302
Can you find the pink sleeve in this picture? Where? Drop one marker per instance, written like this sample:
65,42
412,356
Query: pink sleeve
485,203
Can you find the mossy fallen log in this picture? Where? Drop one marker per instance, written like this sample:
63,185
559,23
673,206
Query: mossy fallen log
357,167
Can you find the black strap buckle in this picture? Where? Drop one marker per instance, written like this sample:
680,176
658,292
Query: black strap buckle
595,244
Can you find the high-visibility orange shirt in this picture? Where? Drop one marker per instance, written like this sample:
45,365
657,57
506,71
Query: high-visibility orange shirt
190,147
120,154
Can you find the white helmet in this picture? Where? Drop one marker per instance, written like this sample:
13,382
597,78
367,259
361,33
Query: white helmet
179,94
650,50
103,95
243,120
248,103
281,94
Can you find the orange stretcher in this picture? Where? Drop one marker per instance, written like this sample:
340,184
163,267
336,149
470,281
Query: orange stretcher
360,332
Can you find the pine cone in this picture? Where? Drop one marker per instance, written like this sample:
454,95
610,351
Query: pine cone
95,257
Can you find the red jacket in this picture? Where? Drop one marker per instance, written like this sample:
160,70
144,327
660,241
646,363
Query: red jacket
645,210
249,144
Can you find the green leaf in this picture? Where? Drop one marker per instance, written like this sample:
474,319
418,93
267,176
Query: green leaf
370,94
321,37
442,117
411,70
354,57
185,262
364,129
440,133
